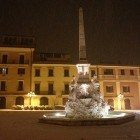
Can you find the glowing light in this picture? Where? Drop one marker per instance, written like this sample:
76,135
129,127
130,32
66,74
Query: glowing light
44,116
120,115
59,115
31,93
84,87
120,96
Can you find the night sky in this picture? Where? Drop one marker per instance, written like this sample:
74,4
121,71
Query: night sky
112,27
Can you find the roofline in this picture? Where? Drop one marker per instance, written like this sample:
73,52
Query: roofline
16,49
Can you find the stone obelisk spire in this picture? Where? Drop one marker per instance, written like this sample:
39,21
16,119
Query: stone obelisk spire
82,45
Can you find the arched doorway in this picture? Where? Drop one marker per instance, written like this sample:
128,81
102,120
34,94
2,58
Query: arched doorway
2,102
43,101
19,101
65,100
127,104
111,102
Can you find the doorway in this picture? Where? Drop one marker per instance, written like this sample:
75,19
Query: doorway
2,102
127,104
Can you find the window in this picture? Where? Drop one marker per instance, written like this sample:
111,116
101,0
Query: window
4,59
122,72
19,101
31,41
131,72
57,55
37,72
108,72
37,88
66,88
126,89
50,88
24,41
21,71
20,85
3,71
109,89
92,73
50,72
43,101
3,86
5,41
66,72
21,59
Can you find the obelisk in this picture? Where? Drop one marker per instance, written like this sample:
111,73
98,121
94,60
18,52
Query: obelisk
82,45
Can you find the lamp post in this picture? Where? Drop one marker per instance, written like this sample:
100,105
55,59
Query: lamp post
121,96
31,94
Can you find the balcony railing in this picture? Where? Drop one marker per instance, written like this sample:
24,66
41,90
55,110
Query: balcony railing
15,62
50,92
128,77
107,76
45,92
65,92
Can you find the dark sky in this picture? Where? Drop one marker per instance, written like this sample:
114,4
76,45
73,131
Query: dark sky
112,27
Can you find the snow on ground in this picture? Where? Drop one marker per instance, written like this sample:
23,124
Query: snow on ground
23,125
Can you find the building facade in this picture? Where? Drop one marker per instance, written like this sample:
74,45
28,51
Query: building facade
49,79
15,70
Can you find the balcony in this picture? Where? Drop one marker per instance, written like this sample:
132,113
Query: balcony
65,92
128,77
108,77
26,62
3,91
45,92
50,92
128,94
110,95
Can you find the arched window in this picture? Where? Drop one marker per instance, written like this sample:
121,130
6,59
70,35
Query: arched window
19,101
111,102
2,102
43,101
127,104
65,100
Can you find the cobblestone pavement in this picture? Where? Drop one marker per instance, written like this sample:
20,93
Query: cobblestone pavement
23,125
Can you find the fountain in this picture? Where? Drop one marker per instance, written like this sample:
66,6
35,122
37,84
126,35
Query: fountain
85,106
85,101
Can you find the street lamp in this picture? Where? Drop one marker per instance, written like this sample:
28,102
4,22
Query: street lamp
31,94
121,96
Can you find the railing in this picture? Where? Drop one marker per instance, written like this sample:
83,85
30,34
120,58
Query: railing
65,92
3,90
50,92
15,62
107,76
128,77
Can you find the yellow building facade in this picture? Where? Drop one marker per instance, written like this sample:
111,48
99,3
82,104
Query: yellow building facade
50,80
114,80
15,73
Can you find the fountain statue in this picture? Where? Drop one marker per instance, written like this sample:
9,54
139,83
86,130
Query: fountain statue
85,100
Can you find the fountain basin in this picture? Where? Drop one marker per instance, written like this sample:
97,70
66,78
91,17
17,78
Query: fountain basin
113,118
